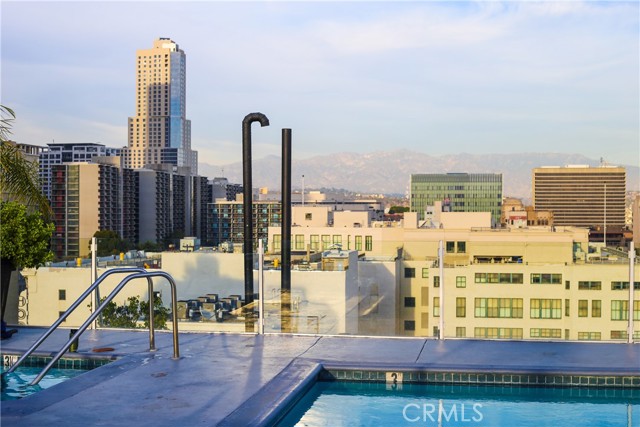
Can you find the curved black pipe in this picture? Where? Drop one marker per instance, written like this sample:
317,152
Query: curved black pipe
247,208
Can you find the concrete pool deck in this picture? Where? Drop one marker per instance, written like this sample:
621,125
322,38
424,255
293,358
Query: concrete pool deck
237,379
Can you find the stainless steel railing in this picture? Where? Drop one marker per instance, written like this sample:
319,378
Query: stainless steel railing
135,273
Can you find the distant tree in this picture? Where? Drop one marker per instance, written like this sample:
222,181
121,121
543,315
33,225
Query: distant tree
150,246
398,209
129,314
110,243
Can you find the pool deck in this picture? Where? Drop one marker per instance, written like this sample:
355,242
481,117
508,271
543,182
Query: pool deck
238,379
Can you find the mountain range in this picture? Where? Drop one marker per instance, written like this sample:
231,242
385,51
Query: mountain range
388,172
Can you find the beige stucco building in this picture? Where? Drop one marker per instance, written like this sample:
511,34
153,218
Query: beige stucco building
522,283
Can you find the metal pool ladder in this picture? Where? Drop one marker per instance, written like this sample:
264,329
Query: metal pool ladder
134,273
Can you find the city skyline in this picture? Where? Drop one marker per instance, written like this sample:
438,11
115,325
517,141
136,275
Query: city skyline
438,78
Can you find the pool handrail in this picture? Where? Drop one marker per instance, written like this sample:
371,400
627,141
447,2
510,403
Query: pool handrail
71,308
107,300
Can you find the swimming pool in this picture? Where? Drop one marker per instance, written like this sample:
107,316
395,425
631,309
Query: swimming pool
343,403
15,385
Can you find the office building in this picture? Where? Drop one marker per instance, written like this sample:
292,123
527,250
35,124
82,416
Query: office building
582,196
458,192
160,133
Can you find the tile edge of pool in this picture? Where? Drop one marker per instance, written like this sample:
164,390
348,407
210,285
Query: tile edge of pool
294,381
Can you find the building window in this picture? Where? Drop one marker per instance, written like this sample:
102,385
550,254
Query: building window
620,310
424,300
461,281
567,284
425,273
546,279
337,239
461,307
499,307
436,307
409,302
596,308
436,281
358,243
315,242
589,336
299,241
589,285
567,307
409,325
277,238
368,243
62,294
424,320
308,217
450,247
461,332
619,335
546,309
60,314
409,272
462,247
583,308
621,286
545,333
498,333
326,241
499,277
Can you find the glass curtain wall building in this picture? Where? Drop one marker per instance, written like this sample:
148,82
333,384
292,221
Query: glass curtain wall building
458,192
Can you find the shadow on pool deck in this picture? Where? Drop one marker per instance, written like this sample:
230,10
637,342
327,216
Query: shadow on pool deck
217,377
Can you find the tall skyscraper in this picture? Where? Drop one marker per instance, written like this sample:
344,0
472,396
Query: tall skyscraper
581,196
160,133
459,192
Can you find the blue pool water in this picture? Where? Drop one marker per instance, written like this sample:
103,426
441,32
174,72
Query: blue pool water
15,385
339,404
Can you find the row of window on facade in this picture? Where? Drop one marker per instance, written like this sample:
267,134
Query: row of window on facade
517,333
325,241
512,308
518,278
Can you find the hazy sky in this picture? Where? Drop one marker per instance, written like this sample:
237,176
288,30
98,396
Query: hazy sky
435,77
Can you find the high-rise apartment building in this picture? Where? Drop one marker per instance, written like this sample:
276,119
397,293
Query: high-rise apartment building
458,192
226,221
160,133
57,154
88,197
581,196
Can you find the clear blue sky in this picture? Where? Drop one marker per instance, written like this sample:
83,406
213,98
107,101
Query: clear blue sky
435,77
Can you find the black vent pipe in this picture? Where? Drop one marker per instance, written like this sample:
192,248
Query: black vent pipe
247,209
285,285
